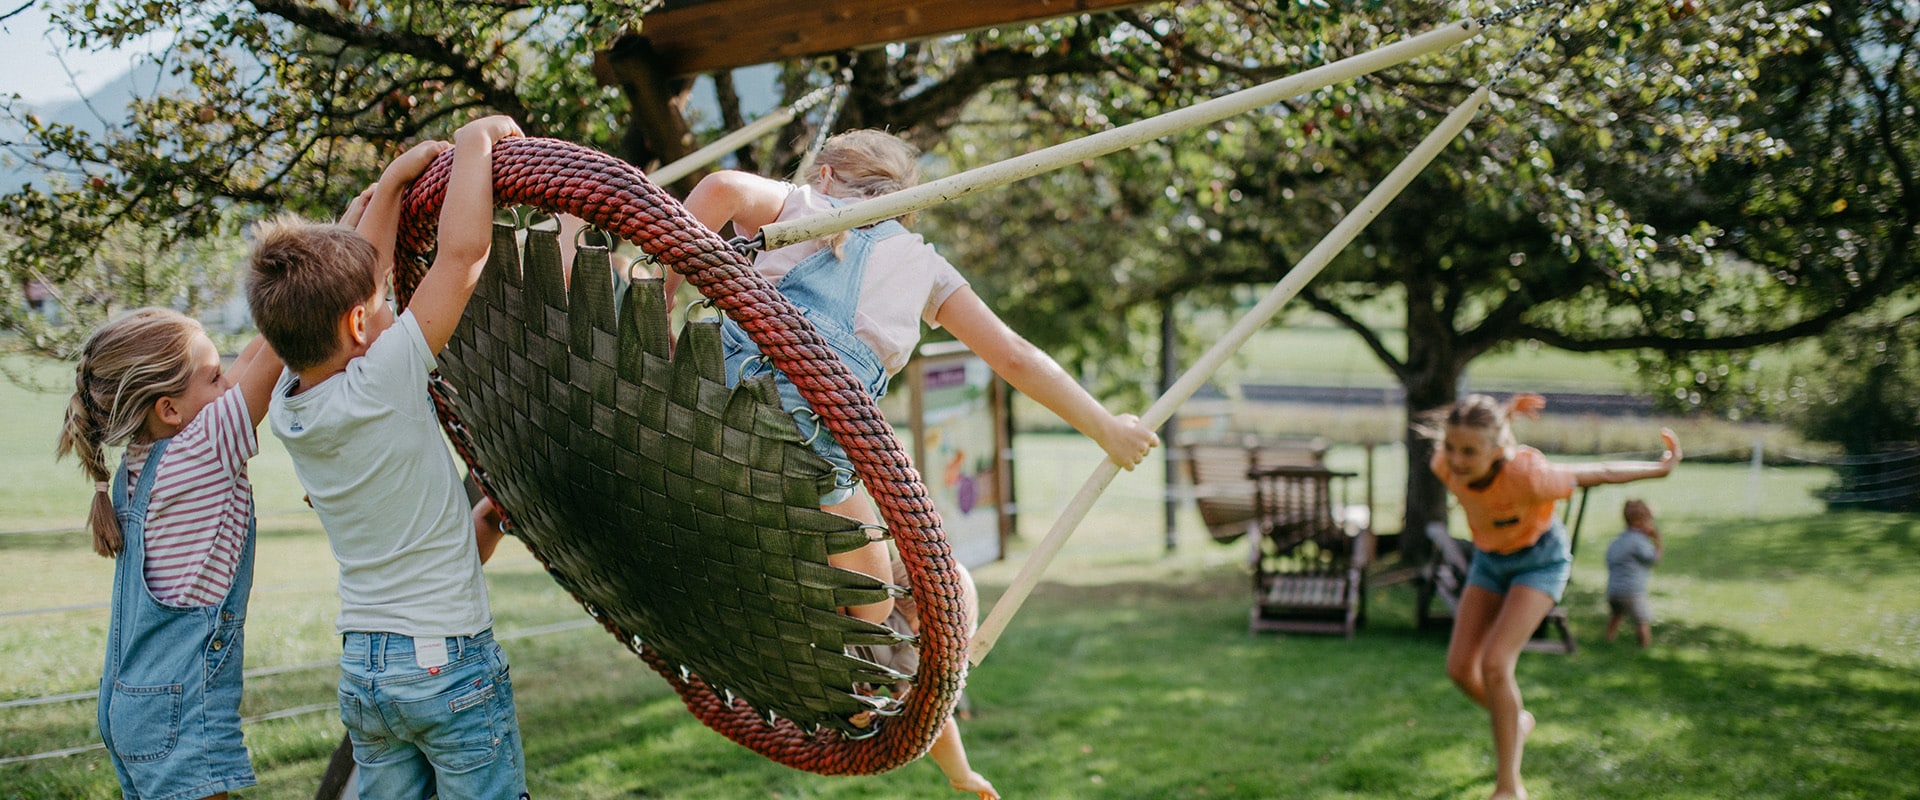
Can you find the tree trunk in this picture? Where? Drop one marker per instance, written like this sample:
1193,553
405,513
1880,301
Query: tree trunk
1431,381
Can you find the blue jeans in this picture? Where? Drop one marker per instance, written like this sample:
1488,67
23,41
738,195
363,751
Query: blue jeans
417,731
1544,565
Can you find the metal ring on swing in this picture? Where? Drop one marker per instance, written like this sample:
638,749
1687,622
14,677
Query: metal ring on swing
812,414
706,303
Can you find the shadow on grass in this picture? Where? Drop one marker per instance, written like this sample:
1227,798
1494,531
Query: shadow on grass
1145,689
1833,544
1713,712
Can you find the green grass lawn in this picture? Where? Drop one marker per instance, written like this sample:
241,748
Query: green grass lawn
1786,663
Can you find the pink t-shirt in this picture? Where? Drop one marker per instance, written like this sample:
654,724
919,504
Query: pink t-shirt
905,284
201,504
1514,510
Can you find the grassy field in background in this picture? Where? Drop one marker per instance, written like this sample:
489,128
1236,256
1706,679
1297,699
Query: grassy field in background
1786,665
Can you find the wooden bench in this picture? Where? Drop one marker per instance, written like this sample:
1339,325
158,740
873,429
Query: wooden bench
1310,558
1220,477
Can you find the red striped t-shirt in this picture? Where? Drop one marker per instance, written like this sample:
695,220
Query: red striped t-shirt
201,504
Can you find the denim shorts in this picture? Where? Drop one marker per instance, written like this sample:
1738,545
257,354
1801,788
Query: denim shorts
821,441
419,731
1544,565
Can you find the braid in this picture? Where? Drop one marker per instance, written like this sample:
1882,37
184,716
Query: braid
81,436
125,368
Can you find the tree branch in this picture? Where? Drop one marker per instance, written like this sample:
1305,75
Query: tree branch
471,73
985,69
1810,326
1339,313
17,11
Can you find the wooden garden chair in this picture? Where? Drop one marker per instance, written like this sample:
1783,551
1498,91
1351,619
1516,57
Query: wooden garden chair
1222,483
1310,568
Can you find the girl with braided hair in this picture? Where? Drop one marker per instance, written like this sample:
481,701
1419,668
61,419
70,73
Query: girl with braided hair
177,518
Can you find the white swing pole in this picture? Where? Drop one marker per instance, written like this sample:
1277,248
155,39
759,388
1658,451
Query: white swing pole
1190,382
737,139
814,226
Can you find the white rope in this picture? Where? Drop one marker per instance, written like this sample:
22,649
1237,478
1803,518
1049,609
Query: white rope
1190,382
814,226
738,139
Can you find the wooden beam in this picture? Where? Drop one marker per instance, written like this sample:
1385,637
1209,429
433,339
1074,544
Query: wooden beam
697,37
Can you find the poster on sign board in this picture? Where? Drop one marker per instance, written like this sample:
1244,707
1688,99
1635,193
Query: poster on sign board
957,448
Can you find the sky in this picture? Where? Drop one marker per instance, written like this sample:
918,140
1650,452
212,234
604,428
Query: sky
32,54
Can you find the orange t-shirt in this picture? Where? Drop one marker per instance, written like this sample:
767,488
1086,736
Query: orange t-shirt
1512,512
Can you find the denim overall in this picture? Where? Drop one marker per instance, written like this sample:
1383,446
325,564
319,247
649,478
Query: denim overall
826,287
170,692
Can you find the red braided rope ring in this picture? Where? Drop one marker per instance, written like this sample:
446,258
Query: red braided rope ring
558,176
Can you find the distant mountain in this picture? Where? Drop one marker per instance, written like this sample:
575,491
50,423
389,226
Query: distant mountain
100,111
106,108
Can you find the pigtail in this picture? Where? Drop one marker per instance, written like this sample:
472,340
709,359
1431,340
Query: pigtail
81,436
127,366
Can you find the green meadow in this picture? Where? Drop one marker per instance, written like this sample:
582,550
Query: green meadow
1786,662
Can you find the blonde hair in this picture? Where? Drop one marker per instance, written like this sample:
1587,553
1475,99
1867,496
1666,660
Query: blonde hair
1477,412
866,163
302,277
125,368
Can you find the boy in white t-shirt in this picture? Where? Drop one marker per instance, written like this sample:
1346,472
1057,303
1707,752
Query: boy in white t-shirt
424,692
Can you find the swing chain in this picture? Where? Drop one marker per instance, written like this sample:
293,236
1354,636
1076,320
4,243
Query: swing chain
842,86
1500,17
1538,35
748,247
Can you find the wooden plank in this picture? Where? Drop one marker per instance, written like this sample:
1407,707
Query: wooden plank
692,38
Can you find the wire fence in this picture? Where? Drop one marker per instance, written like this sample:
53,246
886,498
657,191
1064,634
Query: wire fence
541,630
1885,481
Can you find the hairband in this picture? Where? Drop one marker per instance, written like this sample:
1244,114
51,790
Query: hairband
101,487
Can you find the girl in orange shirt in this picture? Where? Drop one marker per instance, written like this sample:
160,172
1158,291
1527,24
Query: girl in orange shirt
1521,554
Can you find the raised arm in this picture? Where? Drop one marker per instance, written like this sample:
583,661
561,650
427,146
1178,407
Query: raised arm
1629,471
466,231
742,198
375,214
255,371
1037,375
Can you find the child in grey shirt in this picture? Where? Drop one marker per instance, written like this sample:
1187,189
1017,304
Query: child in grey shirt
1630,558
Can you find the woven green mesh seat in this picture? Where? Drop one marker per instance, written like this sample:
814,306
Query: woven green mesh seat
683,514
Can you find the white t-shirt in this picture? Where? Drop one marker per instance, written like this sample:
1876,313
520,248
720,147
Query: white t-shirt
906,282
200,505
368,449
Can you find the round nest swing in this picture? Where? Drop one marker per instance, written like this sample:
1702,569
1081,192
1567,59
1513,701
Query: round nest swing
682,514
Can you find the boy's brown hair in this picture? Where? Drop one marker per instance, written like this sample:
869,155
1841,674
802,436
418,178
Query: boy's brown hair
1636,512
302,278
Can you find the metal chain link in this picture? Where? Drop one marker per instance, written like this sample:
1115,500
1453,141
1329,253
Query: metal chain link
1501,17
1538,35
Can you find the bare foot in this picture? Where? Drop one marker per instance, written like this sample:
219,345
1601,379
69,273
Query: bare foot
1518,794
